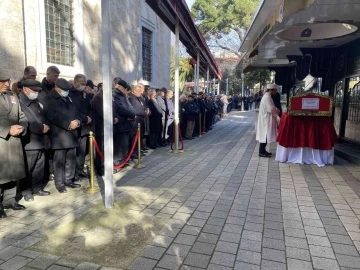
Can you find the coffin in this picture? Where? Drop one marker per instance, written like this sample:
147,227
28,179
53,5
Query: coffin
310,105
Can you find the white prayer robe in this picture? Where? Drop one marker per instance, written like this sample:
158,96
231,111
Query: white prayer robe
267,120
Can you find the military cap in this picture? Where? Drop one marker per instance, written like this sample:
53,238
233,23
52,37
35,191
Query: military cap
163,90
4,76
63,84
194,94
124,84
189,96
32,84
201,93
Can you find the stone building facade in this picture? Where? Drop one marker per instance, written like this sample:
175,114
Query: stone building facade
25,39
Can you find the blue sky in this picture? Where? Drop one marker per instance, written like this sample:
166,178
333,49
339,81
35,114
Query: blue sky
190,2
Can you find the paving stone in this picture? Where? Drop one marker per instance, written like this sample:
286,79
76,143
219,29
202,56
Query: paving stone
153,252
87,266
298,265
348,261
192,230
325,264
300,233
315,231
296,242
141,263
162,241
224,259
218,267
250,245
273,255
179,250
246,266
208,238
318,240
197,260
15,263
30,254
212,229
9,252
196,222
249,256
230,237
274,243
345,249
44,261
275,234
270,265
250,235
170,262
227,247
67,263
203,248
298,253
321,251
232,228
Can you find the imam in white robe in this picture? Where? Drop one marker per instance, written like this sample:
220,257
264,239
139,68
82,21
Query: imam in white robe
266,130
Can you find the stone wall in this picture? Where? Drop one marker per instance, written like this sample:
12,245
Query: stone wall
128,16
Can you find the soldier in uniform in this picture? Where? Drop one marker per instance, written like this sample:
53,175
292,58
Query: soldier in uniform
64,120
34,140
13,125
192,112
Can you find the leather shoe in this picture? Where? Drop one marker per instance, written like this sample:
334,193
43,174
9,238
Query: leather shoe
62,190
15,206
42,193
2,214
83,174
29,198
264,155
72,185
268,153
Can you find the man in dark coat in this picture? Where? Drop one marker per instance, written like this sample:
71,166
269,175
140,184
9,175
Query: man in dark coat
34,140
192,112
161,100
64,120
125,116
138,105
13,125
277,101
82,102
29,73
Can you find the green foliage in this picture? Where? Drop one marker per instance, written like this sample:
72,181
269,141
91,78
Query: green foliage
218,17
261,76
186,71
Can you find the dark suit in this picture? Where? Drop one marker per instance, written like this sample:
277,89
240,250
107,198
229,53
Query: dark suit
277,102
34,145
155,122
60,111
139,109
83,104
124,111
12,167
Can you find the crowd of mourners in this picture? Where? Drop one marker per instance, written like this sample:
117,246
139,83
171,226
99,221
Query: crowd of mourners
44,128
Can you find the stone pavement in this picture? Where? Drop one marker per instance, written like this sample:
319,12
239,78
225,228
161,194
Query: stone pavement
225,208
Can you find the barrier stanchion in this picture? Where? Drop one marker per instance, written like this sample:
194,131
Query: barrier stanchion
200,133
92,188
139,165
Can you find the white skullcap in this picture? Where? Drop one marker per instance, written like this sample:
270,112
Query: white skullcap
271,86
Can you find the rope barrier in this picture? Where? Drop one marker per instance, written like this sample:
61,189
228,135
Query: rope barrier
101,155
173,139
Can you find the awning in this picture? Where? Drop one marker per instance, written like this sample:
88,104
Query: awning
190,36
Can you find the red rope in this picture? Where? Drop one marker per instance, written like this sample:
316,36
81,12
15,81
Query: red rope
98,151
180,137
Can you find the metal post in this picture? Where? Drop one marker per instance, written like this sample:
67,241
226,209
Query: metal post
227,86
177,86
92,188
107,101
207,80
197,70
139,165
200,132
242,92
218,87
195,87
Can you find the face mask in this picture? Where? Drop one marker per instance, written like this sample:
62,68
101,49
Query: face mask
33,96
81,88
64,93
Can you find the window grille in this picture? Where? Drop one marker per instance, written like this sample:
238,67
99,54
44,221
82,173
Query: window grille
59,32
147,36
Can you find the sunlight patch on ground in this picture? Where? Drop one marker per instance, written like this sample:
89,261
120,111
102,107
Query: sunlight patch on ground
111,237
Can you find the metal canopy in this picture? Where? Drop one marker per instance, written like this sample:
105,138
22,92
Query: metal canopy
276,16
191,38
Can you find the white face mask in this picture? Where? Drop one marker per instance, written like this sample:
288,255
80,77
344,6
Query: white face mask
64,93
81,88
33,96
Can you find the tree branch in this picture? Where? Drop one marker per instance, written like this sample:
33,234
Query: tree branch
238,54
